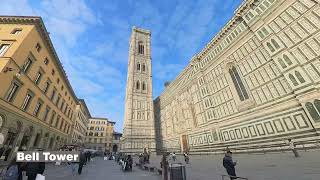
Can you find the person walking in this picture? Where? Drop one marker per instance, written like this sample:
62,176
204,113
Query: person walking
186,157
229,165
34,168
14,171
164,165
82,160
174,156
292,146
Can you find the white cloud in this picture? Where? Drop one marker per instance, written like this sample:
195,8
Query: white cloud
93,43
16,7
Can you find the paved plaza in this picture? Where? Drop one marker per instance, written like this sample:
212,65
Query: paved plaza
275,166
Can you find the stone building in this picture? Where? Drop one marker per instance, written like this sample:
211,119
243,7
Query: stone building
138,130
37,102
255,83
116,142
100,134
80,123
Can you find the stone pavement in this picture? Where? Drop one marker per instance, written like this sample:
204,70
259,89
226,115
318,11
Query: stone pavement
271,166
98,170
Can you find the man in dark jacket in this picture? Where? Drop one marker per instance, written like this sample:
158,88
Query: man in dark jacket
82,160
229,165
34,168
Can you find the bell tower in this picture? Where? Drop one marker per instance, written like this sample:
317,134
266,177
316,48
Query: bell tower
138,129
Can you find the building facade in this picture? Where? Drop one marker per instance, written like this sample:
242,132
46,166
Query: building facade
255,83
100,134
116,142
37,102
138,130
80,124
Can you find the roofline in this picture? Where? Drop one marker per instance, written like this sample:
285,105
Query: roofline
98,118
41,28
85,106
137,29
238,13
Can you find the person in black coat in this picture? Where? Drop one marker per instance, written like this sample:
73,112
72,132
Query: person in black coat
229,165
34,168
82,160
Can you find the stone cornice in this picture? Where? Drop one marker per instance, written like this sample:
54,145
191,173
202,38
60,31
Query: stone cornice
137,29
38,23
83,104
231,23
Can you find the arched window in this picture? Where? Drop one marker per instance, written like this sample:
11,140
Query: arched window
138,66
312,111
140,48
282,64
293,80
317,104
143,86
143,67
241,90
1,121
270,47
90,133
274,42
138,85
286,58
300,78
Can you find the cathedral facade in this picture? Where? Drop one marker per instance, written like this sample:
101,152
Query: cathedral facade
256,83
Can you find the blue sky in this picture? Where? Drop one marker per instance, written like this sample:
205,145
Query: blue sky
92,39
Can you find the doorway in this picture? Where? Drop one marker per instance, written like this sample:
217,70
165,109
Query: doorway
184,143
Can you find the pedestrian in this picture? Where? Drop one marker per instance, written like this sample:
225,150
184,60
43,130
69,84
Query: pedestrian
82,160
186,157
34,168
174,156
229,165
129,163
14,171
293,148
164,164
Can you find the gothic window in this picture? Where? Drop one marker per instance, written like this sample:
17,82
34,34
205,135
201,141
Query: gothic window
241,90
140,48
274,42
138,66
282,64
143,86
260,34
317,104
312,111
286,58
270,47
138,85
293,80
143,67
300,78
